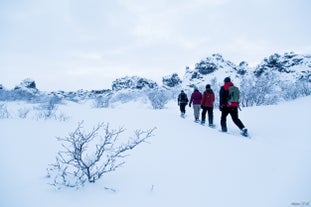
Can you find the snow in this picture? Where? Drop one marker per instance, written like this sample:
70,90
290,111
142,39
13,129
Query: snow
184,164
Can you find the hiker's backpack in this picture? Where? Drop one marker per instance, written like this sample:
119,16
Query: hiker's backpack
183,98
234,94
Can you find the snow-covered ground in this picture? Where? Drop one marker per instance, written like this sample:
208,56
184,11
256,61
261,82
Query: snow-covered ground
184,164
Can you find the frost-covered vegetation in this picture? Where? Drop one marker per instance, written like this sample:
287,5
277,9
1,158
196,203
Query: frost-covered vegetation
87,156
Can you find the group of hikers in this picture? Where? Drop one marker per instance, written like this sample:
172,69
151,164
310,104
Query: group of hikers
228,104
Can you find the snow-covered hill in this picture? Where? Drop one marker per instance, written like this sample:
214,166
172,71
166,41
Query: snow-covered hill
276,78
214,69
289,66
184,164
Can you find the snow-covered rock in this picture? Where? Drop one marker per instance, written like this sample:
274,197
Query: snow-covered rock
172,80
132,82
27,85
213,69
289,67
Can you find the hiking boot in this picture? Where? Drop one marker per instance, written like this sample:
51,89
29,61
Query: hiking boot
224,129
212,125
244,132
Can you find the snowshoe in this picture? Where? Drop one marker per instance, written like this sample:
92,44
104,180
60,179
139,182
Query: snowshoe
212,125
223,131
244,132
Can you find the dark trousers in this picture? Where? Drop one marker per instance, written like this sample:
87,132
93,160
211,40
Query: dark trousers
209,110
182,107
233,111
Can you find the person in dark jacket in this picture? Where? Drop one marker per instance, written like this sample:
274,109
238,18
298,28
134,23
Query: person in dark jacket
207,105
195,100
182,102
229,108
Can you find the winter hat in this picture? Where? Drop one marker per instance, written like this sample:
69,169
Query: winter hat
195,88
208,86
227,79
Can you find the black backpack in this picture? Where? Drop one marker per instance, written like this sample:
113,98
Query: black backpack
183,98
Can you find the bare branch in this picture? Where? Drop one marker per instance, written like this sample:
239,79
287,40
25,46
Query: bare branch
85,157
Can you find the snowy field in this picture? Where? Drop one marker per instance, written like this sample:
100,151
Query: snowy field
184,164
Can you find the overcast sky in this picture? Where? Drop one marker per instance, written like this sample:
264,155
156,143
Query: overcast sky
74,44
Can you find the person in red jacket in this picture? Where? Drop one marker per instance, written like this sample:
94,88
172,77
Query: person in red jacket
207,105
229,108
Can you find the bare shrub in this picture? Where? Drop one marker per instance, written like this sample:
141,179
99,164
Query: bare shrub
86,156
23,112
158,98
4,113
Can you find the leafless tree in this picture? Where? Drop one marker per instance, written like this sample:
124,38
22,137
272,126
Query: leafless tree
86,157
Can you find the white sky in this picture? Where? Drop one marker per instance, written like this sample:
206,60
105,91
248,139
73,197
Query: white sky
74,44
